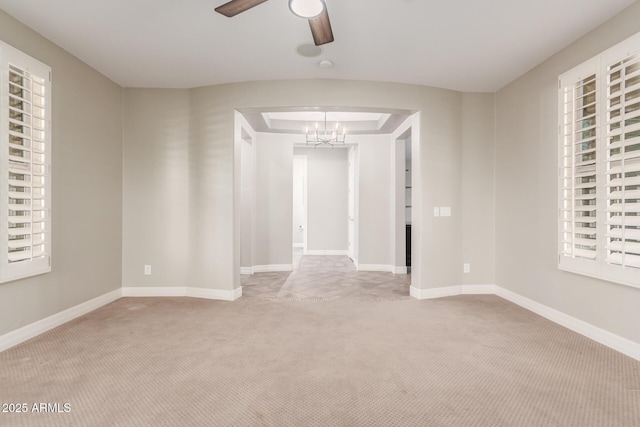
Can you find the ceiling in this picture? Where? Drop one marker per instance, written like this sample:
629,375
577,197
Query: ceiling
465,45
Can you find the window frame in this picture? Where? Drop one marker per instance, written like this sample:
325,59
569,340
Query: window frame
599,267
38,159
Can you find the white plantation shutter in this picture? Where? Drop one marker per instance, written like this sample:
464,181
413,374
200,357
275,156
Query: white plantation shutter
599,197
622,145
579,131
25,154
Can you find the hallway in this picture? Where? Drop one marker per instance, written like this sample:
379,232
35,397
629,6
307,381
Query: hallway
326,277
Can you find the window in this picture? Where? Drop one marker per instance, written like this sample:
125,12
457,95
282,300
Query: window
25,156
599,183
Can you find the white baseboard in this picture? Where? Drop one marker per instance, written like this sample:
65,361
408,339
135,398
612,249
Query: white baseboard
25,333
246,270
217,294
478,289
155,291
616,342
415,292
376,267
271,268
430,293
449,291
159,291
400,270
327,252
298,245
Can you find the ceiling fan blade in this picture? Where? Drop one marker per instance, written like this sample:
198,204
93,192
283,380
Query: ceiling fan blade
235,7
321,28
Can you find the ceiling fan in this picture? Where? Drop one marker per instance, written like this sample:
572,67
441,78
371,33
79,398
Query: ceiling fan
313,10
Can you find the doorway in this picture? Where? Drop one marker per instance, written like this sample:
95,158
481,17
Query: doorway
406,195
408,203
299,223
324,195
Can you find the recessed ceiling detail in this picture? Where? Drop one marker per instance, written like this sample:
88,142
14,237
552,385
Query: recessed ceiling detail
314,116
298,121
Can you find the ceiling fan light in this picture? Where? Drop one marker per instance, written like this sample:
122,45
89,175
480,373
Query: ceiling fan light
306,8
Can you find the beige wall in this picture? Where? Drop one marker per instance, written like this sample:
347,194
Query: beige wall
157,189
375,205
526,192
86,187
477,231
274,199
213,250
327,198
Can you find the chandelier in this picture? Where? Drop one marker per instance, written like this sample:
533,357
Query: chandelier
326,136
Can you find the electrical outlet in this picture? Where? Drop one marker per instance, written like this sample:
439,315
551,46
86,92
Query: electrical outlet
467,268
436,211
147,270
445,211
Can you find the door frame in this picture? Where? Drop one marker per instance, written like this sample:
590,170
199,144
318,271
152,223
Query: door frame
243,134
414,121
352,186
305,205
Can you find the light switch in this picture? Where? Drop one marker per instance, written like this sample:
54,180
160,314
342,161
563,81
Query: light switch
436,211
445,211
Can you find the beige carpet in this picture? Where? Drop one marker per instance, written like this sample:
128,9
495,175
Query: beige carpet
326,277
460,361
